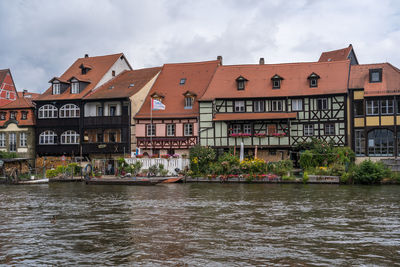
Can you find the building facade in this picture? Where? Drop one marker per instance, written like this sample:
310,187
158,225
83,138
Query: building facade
8,91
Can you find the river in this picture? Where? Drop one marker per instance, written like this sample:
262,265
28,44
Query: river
199,225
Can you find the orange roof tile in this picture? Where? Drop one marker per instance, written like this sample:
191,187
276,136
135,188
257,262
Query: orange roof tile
29,95
3,74
333,80
253,116
198,76
99,67
336,55
125,84
20,102
390,85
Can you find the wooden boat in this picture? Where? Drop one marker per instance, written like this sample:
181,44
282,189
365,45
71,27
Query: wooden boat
121,181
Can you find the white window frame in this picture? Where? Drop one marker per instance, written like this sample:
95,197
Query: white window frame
24,115
259,105
3,116
277,105
7,94
188,129
56,88
188,102
324,103
372,107
308,130
386,106
13,115
297,104
115,110
150,129
75,87
23,140
171,129
247,128
69,111
47,138
328,129
12,141
48,112
2,139
240,106
69,137
236,128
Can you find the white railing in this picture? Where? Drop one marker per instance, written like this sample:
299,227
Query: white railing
169,164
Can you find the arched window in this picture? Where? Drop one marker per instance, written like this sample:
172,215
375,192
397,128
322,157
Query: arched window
380,142
47,138
69,111
69,138
48,111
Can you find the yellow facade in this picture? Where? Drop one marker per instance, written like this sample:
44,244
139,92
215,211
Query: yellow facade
373,121
387,120
359,122
358,95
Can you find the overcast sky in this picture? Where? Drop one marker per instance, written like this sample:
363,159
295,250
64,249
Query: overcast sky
40,39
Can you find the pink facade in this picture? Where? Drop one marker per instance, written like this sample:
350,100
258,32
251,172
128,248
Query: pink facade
179,129
160,129
140,130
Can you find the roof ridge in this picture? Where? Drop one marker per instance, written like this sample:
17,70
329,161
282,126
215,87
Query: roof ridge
192,63
289,63
110,55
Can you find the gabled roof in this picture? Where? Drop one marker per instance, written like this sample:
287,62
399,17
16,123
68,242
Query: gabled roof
390,85
28,95
334,77
336,55
7,85
3,74
100,65
198,76
125,84
21,102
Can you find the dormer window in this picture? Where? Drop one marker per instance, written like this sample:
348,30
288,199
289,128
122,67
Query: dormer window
276,81
75,87
182,81
84,69
375,75
113,73
240,82
56,88
189,99
157,97
313,78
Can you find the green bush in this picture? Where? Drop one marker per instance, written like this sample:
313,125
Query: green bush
51,173
74,168
134,168
305,178
306,160
369,172
201,159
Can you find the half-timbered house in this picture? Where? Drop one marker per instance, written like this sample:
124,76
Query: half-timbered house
175,129
8,91
272,108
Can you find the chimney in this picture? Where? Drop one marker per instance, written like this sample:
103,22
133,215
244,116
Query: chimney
220,59
24,92
86,55
262,61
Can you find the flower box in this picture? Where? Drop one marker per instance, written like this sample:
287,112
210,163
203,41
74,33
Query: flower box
278,134
154,156
166,156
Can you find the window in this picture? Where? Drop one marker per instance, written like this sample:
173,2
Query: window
151,129
380,142
113,73
69,111
69,138
188,102
375,75
297,104
276,84
387,107
100,111
277,105
330,129
24,115
113,111
23,140
322,104
259,106
308,130
359,139
2,116
112,137
48,111
12,140
2,139
170,129
247,128
7,95
240,82
239,106
182,81
75,88
358,107
56,88
313,82
13,115
188,129
398,106
372,107
99,138
236,128
47,138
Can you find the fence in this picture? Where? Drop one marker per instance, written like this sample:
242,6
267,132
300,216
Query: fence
169,164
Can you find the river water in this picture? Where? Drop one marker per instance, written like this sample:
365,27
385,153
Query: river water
199,225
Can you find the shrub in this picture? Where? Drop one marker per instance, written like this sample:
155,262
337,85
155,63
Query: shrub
305,177
306,160
369,172
75,168
163,173
134,168
51,173
201,159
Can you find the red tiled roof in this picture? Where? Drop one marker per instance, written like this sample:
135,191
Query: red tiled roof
19,103
390,85
336,55
122,84
27,94
198,76
100,66
253,116
3,74
333,80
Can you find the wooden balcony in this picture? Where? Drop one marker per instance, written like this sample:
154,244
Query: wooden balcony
63,122
105,148
55,150
106,121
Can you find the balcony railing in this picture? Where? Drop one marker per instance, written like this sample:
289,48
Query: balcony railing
109,148
105,121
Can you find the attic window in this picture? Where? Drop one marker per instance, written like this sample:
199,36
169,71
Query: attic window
182,81
111,87
113,73
240,82
56,88
131,85
313,78
375,75
276,81
75,87
188,102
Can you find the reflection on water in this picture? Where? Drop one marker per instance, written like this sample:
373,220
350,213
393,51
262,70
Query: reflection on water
199,224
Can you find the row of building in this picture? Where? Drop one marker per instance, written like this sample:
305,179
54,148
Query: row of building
100,108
